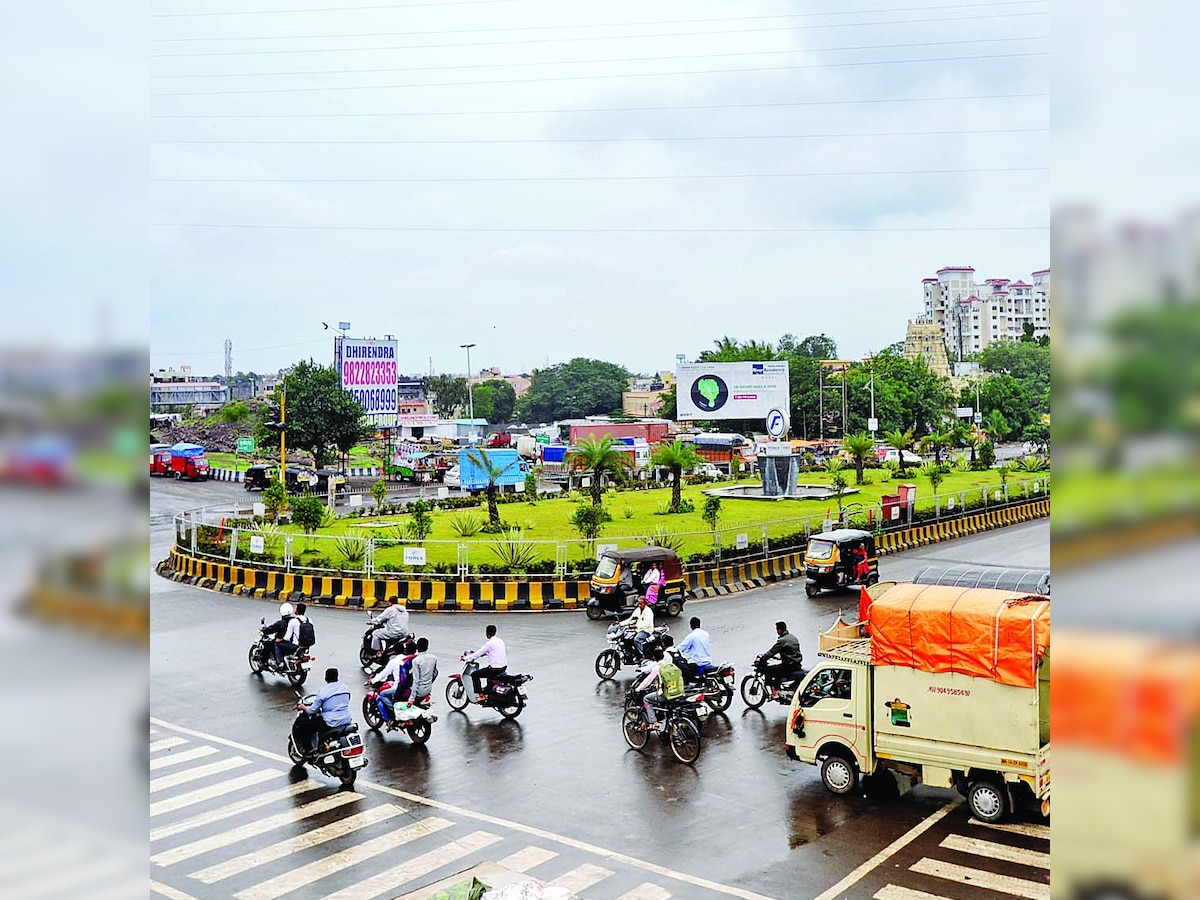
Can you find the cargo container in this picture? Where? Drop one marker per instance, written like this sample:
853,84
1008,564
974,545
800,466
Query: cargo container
473,478
652,432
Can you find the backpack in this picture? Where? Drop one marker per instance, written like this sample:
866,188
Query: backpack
308,634
672,680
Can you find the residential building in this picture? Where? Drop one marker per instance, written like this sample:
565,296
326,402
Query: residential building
971,315
173,389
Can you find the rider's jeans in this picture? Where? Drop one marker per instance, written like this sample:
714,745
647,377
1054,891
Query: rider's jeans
648,706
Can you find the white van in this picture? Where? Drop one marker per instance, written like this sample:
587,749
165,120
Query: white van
451,480
886,454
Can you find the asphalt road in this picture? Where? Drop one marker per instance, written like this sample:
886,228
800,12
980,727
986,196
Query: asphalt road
744,817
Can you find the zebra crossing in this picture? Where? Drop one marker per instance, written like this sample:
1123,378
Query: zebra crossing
971,860
226,824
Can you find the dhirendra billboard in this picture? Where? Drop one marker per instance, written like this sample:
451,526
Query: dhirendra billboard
739,390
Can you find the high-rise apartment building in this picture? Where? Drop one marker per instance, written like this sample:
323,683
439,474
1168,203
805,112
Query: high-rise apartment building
972,315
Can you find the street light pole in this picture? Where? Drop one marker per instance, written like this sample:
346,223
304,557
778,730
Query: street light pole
470,394
874,421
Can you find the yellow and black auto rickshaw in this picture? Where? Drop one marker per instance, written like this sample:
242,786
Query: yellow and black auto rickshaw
840,559
617,582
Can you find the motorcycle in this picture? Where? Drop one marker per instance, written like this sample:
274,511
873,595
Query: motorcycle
622,650
716,684
295,665
756,691
366,656
339,752
679,729
414,718
505,693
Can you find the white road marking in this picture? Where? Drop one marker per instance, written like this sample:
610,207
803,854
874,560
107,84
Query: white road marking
646,891
166,890
253,829
336,862
167,744
879,858
1005,884
1036,831
416,867
304,841
584,846
169,781
992,850
896,892
525,859
578,880
219,789
233,809
175,759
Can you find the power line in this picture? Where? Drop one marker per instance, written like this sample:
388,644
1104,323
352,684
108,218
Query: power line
590,62
606,37
849,12
584,178
273,12
561,78
619,140
602,109
483,229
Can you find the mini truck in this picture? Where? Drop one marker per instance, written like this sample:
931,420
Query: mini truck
950,687
474,478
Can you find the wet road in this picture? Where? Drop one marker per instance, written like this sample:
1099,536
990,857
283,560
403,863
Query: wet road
745,817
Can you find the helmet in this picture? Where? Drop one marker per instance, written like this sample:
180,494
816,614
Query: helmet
285,610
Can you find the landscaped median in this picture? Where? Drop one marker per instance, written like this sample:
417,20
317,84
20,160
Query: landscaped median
501,593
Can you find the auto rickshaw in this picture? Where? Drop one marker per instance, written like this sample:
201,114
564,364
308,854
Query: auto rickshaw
617,581
160,459
259,477
840,559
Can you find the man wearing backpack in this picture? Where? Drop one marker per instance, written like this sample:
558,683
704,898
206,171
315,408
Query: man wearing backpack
298,628
670,686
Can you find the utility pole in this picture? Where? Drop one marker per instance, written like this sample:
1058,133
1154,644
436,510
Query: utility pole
470,393
282,439
874,422
821,406
845,401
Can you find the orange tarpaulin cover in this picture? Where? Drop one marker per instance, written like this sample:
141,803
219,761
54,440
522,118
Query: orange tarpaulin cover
998,635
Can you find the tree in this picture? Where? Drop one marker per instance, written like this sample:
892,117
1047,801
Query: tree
818,346
1004,394
837,480
422,522
997,426
1027,333
379,492
501,400
901,441
308,513
319,413
275,498
572,390
936,442
448,392
599,457
481,458
936,474
589,520
860,447
975,440
669,408
1029,364
675,456
712,512
1038,435
234,413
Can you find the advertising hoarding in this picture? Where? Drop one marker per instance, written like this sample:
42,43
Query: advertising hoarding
370,373
740,390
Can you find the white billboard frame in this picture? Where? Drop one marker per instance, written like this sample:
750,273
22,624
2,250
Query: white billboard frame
744,390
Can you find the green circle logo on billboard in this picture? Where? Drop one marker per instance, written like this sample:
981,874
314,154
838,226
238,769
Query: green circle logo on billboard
709,392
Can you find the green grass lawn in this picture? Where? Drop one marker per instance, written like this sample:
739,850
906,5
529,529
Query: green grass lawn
633,515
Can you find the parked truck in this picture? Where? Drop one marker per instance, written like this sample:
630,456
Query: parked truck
652,432
949,687
189,461
473,478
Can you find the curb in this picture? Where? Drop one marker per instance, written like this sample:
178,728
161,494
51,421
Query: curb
481,595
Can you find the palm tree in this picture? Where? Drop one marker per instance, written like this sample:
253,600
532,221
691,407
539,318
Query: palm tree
974,440
997,426
937,441
675,456
859,446
935,473
901,441
836,469
599,457
483,460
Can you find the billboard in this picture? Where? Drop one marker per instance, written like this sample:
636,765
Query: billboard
740,390
370,373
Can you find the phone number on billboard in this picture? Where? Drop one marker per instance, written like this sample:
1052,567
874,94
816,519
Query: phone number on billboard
356,372
376,399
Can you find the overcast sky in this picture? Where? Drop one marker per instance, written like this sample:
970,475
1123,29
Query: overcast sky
476,171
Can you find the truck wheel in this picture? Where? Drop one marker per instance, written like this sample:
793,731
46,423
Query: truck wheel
988,801
839,775
810,588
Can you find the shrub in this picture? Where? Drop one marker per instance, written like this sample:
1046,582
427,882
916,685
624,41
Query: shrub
589,520
987,455
466,524
422,522
712,512
531,484
663,537
627,511
379,492
497,528
1033,464
352,549
686,506
514,552
308,513
274,498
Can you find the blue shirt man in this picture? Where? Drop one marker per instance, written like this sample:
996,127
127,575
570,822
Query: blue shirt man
697,646
332,702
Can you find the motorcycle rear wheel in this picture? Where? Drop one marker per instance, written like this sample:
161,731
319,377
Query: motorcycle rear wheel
633,729
371,714
296,677
754,691
719,700
684,739
608,663
513,705
347,774
419,731
256,665
456,695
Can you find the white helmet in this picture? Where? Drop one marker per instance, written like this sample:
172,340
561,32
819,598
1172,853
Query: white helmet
285,610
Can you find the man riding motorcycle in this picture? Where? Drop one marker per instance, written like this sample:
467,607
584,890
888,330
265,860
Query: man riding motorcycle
791,660
397,671
392,625
641,620
329,709
277,629
696,650
290,641
493,648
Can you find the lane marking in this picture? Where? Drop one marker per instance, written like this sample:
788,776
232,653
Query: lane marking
879,858
167,744
416,867
336,862
992,850
1005,884
175,759
304,841
596,850
166,890
525,859
1036,831
169,781
896,892
252,829
578,880
232,809
219,789
646,891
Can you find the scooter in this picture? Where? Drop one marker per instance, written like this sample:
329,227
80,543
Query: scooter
339,752
504,693
295,665
414,718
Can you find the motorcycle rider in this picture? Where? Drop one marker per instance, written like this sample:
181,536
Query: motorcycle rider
791,660
696,650
392,625
424,669
642,621
398,672
669,679
278,628
329,709
290,642
493,648
648,671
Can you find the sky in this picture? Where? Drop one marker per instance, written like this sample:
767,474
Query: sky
521,174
